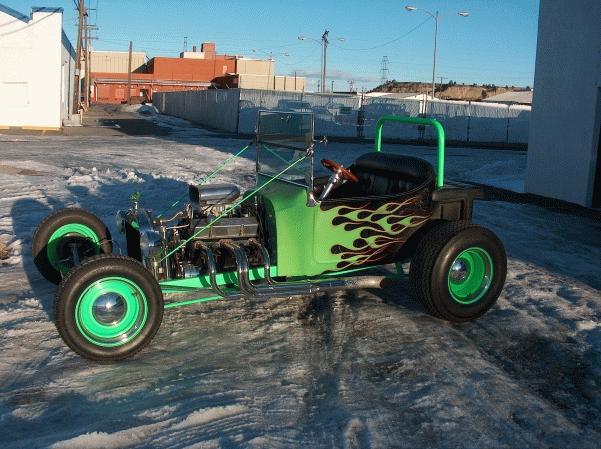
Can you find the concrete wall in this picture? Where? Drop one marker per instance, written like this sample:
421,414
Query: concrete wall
67,76
566,109
213,108
33,88
255,66
285,83
116,61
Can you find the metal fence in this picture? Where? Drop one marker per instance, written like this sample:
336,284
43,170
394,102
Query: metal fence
348,116
213,108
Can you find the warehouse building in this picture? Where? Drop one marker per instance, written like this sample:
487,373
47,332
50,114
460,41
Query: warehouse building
564,148
191,71
259,74
194,70
37,65
116,61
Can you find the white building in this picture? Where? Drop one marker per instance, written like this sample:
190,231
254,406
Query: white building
564,148
523,97
37,64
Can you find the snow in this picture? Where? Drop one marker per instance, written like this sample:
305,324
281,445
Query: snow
205,416
349,370
145,109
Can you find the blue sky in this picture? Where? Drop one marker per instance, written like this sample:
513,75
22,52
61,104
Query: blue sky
496,44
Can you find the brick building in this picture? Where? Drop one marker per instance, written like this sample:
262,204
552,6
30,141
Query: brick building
162,74
191,71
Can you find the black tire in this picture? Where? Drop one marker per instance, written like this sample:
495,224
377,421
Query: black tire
430,271
99,270
52,223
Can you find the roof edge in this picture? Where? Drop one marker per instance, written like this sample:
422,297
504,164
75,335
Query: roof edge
13,13
46,9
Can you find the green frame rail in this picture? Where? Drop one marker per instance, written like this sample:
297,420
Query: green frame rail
417,121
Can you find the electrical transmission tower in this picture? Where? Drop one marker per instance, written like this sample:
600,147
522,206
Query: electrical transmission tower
384,70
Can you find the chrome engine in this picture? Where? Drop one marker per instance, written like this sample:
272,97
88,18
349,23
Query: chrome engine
183,244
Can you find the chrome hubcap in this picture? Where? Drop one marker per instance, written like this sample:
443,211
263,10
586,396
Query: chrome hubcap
109,308
459,270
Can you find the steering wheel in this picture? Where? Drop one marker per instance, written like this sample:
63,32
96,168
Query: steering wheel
335,167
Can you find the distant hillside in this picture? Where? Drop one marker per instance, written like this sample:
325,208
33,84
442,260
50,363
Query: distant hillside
448,91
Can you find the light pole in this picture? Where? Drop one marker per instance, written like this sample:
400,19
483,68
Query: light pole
324,51
435,16
324,41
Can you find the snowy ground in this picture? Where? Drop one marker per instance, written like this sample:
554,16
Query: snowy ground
355,369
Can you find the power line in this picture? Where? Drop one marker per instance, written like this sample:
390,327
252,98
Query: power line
386,43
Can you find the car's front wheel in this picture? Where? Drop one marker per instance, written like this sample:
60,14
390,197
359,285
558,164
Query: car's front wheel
458,270
108,308
64,234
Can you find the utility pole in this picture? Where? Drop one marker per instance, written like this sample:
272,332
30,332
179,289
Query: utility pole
332,87
324,55
77,77
88,62
87,54
129,75
434,62
324,46
318,85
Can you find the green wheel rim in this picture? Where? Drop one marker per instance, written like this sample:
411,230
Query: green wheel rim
126,325
71,230
470,275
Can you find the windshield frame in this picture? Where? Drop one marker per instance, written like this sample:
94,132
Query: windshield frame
261,145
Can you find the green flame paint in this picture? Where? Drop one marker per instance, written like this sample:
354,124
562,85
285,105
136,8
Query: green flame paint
373,233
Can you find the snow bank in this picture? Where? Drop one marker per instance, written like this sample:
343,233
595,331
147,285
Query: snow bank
204,416
145,109
117,440
93,177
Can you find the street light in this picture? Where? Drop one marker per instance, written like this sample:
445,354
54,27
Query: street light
435,16
324,49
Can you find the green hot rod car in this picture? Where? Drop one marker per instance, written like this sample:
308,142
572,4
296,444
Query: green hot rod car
294,233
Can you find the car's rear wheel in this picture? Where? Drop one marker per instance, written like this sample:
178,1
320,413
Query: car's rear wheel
458,270
108,308
65,238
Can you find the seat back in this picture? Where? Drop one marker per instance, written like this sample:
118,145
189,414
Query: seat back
388,174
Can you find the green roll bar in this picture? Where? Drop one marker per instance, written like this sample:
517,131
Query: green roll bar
416,121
